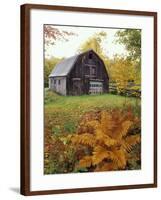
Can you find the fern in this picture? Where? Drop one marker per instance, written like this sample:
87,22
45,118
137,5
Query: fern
99,154
85,162
108,139
85,139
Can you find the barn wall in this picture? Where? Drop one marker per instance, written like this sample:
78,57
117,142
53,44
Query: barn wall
58,84
80,72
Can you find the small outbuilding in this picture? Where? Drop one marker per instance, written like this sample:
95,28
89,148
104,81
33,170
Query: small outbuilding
83,73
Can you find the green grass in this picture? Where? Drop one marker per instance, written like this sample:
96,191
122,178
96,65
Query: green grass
62,113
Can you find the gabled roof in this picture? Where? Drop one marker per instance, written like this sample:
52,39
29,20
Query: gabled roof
64,67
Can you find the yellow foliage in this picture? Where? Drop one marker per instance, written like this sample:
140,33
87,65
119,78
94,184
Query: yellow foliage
109,141
107,166
85,139
100,154
85,162
120,158
133,139
122,71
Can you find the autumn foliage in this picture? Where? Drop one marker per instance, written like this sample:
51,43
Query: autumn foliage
109,137
94,133
51,34
84,138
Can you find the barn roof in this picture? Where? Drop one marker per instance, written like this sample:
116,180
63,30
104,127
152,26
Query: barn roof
64,67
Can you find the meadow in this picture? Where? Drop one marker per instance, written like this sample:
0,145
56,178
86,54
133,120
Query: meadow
68,116
65,111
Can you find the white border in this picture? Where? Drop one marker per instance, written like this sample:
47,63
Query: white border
68,181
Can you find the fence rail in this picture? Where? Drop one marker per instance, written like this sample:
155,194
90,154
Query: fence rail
129,91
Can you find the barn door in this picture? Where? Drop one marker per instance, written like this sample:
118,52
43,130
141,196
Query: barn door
77,87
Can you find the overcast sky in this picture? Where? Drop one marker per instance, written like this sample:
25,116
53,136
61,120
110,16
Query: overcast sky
70,48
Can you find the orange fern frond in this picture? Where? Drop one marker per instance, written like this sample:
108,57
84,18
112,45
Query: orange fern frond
120,158
84,139
125,127
101,137
106,122
133,139
106,166
99,154
85,162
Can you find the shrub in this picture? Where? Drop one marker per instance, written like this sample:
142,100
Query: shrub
59,155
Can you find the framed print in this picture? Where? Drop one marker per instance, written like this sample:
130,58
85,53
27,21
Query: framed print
88,99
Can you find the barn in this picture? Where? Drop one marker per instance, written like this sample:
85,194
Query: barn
84,73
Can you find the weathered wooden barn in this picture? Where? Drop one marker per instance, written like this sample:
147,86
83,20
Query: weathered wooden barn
84,73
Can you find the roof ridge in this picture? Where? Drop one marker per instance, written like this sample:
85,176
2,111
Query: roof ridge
64,67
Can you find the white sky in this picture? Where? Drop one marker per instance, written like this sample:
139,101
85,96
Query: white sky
70,48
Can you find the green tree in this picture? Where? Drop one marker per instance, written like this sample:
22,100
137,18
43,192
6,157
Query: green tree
131,38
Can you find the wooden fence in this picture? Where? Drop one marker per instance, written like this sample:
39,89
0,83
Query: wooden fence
132,90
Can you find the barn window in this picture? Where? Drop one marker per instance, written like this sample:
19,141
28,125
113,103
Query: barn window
90,55
95,87
59,82
54,82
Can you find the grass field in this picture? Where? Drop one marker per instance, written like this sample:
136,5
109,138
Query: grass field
62,113
63,121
